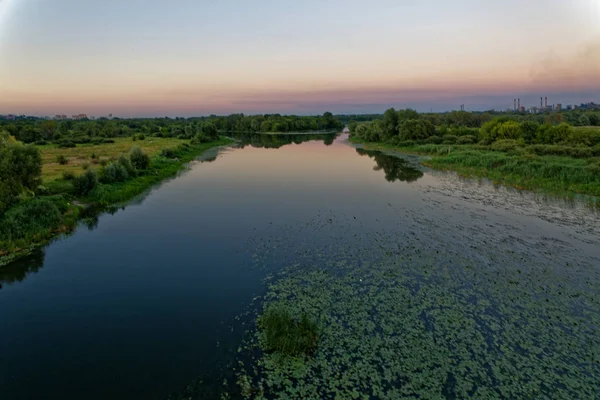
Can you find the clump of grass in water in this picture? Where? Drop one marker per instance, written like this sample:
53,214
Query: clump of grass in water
286,335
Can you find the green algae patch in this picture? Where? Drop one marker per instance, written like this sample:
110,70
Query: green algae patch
404,319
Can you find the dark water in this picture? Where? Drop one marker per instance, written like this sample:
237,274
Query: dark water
142,302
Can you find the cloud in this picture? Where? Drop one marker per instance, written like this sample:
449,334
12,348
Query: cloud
580,70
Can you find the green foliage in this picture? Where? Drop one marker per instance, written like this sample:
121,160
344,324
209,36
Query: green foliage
85,183
62,160
505,145
415,129
34,217
139,159
467,139
434,139
68,175
286,335
125,162
114,172
20,170
449,139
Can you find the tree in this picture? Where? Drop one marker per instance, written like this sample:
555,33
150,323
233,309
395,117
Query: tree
20,170
529,131
404,115
390,124
415,129
139,159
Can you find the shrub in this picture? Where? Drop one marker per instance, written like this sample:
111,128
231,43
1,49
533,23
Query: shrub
84,184
31,218
107,141
86,166
200,138
62,160
286,335
93,156
449,139
66,145
141,136
41,142
168,153
126,163
467,139
434,140
68,175
114,172
505,145
139,159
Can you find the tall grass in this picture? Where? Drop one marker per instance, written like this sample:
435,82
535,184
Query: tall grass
553,174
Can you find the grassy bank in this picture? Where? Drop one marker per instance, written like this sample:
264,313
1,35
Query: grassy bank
520,167
77,159
34,223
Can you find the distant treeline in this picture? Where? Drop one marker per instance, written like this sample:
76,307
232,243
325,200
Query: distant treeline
407,127
477,119
71,132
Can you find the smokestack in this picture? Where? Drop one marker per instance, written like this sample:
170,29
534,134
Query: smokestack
515,106
519,106
541,103
546,99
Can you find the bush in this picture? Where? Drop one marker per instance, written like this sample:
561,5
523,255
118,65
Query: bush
31,218
139,159
84,184
434,140
286,335
67,144
505,145
41,142
168,153
86,166
68,175
62,160
141,136
114,172
467,139
126,163
449,139
200,138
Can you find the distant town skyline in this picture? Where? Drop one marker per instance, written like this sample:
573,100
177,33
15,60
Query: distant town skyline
155,58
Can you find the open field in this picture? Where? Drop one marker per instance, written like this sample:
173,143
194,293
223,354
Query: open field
93,155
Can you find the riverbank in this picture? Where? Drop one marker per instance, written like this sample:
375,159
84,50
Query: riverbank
35,223
517,167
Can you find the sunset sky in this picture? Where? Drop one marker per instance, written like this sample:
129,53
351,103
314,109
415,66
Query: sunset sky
191,57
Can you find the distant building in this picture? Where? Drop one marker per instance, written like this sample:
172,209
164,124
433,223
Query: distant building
558,107
79,116
60,117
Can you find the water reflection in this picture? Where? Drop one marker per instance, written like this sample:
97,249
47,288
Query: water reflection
261,140
395,168
20,270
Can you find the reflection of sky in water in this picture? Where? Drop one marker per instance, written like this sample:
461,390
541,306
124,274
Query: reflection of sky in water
134,308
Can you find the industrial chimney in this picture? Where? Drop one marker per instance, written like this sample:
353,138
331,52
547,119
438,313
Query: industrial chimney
546,101
519,106
541,103
515,106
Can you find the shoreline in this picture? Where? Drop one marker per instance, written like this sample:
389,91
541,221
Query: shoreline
444,162
115,194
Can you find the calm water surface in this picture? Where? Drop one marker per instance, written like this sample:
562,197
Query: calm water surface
142,302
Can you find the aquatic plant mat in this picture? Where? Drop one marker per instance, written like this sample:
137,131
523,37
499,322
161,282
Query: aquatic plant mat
406,313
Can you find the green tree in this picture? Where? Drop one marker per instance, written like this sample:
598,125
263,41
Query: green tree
390,124
20,170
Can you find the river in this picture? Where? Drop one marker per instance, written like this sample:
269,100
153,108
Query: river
141,302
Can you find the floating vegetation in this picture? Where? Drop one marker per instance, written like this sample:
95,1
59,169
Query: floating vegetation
405,317
283,334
